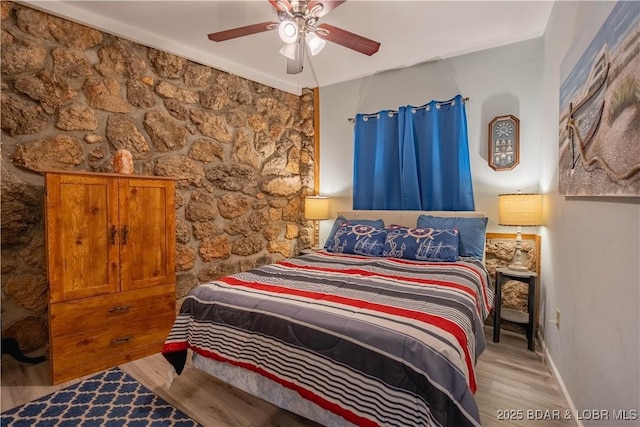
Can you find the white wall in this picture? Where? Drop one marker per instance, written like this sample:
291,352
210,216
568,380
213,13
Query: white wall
590,247
506,80
590,257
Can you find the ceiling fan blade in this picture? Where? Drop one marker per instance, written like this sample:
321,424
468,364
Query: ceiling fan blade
242,31
284,3
348,39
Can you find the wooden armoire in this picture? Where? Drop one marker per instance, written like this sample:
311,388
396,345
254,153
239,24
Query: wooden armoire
111,269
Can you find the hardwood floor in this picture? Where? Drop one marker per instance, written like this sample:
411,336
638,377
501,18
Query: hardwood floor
512,383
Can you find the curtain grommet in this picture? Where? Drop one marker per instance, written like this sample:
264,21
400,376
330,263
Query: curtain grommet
365,118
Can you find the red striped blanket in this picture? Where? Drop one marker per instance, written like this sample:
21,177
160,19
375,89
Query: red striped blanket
378,341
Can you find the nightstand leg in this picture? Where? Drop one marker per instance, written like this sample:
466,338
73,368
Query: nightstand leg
531,305
497,302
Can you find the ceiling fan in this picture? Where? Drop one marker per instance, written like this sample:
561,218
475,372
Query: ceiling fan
297,26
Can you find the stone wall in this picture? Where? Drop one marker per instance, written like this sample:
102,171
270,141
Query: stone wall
243,153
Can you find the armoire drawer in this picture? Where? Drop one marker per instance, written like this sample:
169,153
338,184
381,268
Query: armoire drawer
108,311
115,338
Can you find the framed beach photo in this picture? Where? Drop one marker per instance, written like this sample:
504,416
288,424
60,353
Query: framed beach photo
504,143
599,153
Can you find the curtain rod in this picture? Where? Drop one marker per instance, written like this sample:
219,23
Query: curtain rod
414,109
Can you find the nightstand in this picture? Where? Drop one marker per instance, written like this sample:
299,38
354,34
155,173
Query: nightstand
529,278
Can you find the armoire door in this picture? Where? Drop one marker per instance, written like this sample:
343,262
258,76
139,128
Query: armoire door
82,236
147,232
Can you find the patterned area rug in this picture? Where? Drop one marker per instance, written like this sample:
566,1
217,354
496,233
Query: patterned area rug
111,399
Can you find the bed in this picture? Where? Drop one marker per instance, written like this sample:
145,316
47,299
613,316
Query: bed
344,338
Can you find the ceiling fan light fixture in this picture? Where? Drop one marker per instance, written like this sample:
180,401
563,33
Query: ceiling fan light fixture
289,50
315,43
288,31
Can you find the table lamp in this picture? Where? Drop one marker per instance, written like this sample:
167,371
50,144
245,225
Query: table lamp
519,210
316,208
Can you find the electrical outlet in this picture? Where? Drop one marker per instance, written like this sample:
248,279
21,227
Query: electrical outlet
557,322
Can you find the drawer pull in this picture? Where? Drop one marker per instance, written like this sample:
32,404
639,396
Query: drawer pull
121,340
118,308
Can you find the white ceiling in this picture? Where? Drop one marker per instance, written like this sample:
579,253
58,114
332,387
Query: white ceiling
410,32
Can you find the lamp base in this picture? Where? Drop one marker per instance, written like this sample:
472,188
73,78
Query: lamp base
518,267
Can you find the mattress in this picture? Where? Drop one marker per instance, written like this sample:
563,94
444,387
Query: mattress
346,338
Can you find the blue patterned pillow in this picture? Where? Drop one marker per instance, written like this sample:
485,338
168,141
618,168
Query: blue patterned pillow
377,223
472,232
423,244
361,239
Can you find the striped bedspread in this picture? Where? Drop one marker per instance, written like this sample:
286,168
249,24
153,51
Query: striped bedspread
378,341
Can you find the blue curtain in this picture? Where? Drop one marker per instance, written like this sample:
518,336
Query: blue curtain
416,158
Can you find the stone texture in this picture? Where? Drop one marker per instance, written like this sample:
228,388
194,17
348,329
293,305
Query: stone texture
21,207
201,207
185,257
282,186
214,98
212,125
50,89
20,118
184,283
206,150
5,9
49,27
283,247
29,291
215,247
205,229
119,61
232,206
292,231
185,170
230,177
176,109
237,88
196,75
122,133
215,271
248,245
70,63
165,134
56,152
240,151
167,90
166,64
140,94
22,56
105,95
77,117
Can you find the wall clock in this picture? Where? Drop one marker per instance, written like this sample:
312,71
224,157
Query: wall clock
504,142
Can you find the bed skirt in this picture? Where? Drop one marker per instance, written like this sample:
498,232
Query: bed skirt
270,391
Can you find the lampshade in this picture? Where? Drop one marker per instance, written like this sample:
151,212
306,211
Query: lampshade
316,207
289,50
315,43
288,31
521,209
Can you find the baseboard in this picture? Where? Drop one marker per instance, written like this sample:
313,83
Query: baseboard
548,360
